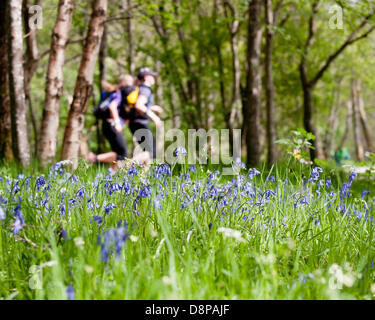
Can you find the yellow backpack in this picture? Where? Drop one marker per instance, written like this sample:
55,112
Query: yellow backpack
133,96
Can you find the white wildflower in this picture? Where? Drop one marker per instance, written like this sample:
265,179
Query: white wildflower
231,233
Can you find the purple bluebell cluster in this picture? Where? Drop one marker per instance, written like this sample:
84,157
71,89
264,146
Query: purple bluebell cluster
113,240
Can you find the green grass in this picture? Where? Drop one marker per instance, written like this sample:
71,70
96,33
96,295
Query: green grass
282,252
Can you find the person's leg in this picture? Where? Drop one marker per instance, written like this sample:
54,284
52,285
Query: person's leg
118,145
144,136
103,157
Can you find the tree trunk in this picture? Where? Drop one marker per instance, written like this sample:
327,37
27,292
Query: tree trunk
20,141
5,121
220,64
356,126
308,90
31,64
348,124
270,90
363,118
103,51
331,126
54,83
129,31
83,87
253,83
102,58
234,27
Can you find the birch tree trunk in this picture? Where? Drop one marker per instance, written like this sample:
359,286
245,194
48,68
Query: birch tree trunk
253,83
31,64
5,122
363,119
356,126
54,83
83,87
20,141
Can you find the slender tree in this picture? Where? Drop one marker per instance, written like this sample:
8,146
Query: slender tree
54,82
234,28
253,83
348,126
332,123
363,119
5,121
270,90
83,87
356,125
102,57
31,62
20,141
129,32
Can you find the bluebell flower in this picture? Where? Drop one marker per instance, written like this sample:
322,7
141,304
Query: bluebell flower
73,179
114,187
180,151
192,168
81,192
352,176
64,234
315,174
145,192
40,181
18,224
70,292
62,208
132,171
156,204
98,219
269,193
364,193
3,200
328,183
126,188
112,241
252,173
2,214
124,223
238,164
213,175
344,191
109,208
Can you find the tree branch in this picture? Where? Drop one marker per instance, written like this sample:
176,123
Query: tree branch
350,40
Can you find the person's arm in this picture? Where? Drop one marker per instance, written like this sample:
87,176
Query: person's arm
114,113
141,107
157,109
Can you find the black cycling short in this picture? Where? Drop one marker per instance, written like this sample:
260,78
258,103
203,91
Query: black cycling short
144,136
116,140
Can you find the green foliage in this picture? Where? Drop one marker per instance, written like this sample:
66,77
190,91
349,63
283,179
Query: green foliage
298,146
286,249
